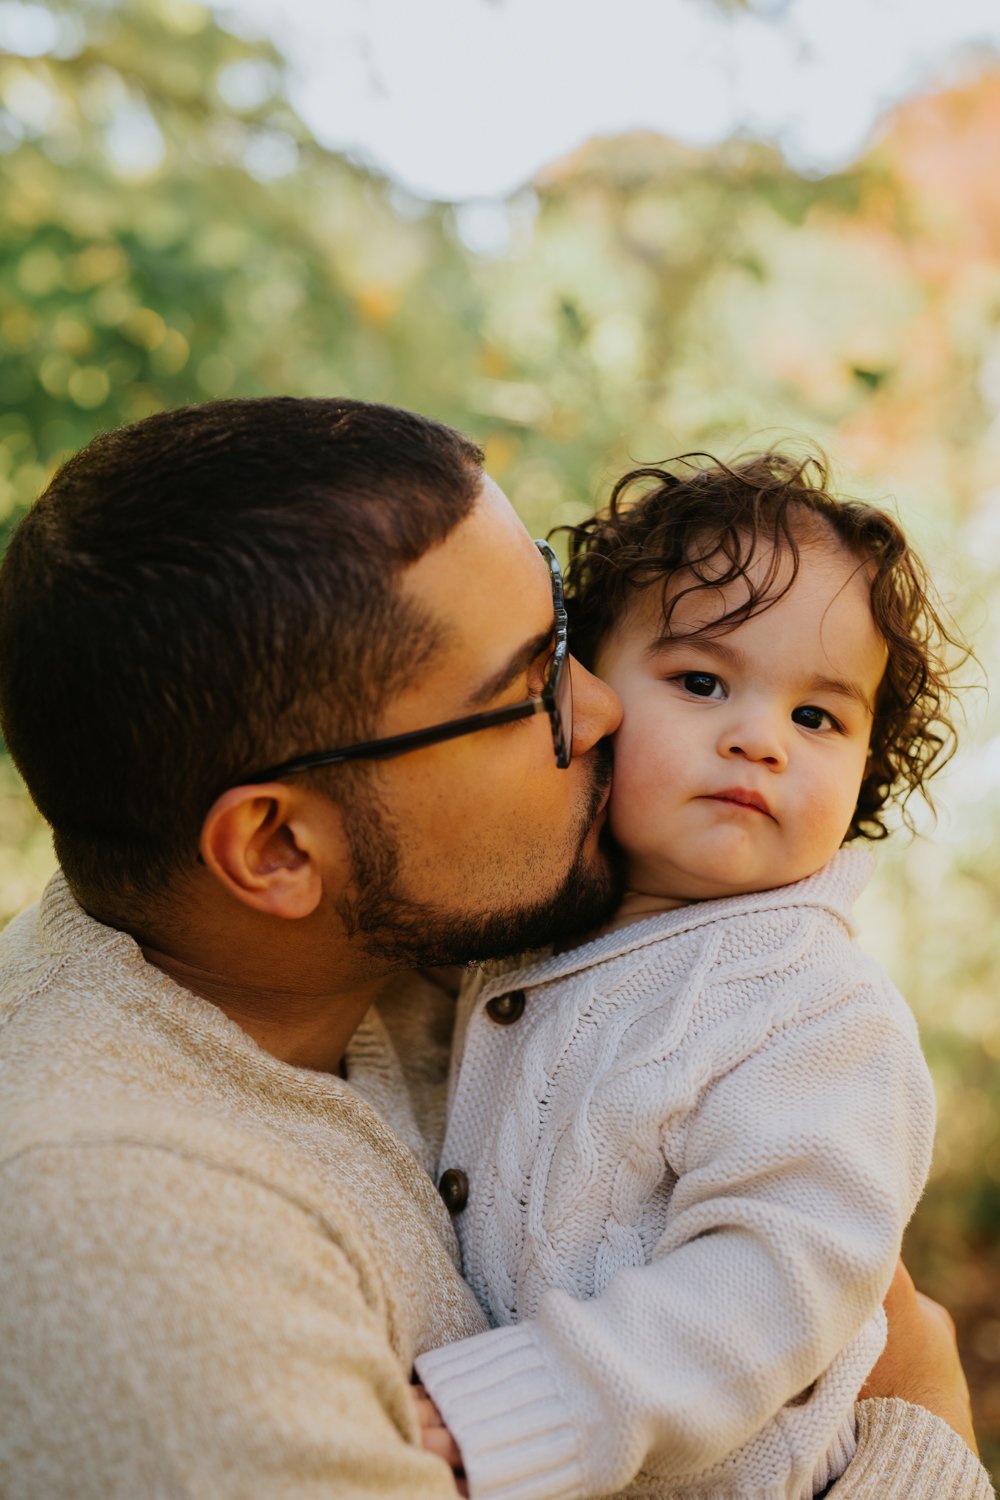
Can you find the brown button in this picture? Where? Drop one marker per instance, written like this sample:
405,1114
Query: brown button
506,1009
454,1189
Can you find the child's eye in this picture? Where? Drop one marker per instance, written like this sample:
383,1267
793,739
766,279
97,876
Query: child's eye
810,717
701,684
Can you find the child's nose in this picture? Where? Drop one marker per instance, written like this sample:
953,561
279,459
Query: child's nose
755,738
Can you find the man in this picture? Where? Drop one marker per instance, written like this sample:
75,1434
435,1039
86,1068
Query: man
289,680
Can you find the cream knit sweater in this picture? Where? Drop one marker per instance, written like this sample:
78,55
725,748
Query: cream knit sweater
215,1269
691,1160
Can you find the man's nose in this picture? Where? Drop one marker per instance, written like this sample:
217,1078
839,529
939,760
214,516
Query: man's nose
754,736
597,708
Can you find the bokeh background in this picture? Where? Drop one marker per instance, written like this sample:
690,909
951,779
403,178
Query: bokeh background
190,207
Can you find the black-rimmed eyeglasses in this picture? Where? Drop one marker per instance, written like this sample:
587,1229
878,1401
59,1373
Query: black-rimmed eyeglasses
555,699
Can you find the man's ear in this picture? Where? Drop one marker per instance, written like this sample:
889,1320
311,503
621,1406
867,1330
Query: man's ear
275,847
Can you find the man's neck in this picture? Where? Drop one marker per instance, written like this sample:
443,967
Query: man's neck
307,1027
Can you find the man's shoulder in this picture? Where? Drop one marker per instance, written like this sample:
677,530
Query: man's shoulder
127,1145
105,1057
81,1049
26,959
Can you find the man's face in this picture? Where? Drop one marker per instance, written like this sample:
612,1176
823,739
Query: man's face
482,846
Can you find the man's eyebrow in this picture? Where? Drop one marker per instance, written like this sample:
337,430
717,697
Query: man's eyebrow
518,663
843,687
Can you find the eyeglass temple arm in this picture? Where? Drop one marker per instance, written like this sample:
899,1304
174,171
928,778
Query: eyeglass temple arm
399,744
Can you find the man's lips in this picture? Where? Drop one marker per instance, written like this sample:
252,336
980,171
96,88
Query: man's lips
742,797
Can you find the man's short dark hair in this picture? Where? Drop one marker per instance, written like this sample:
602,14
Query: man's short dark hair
205,592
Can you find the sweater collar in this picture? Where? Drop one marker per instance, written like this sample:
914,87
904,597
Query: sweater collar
834,888
70,932
71,935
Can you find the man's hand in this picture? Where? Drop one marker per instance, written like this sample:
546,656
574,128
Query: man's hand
435,1437
920,1361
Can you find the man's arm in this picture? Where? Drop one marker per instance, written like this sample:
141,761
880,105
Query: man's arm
173,1328
905,1452
920,1362
915,1437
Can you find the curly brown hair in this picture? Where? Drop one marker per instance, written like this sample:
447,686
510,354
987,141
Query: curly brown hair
710,520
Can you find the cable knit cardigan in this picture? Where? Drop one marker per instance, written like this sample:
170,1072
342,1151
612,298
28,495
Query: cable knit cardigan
692,1147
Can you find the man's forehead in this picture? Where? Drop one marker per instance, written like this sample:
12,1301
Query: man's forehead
485,587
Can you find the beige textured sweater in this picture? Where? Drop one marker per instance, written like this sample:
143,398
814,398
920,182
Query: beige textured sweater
216,1269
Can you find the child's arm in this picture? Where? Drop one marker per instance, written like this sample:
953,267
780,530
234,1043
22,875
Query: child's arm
797,1171
915,1436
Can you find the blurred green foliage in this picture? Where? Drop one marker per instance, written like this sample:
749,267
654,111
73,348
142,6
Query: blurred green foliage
170,232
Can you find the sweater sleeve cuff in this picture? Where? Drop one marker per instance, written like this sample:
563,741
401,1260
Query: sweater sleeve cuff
906,1453
516,1433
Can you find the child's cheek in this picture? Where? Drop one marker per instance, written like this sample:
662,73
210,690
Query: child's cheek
632,802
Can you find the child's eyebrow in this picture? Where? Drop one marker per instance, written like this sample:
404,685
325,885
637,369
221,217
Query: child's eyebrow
843,687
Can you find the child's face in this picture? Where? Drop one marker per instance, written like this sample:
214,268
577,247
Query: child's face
740,756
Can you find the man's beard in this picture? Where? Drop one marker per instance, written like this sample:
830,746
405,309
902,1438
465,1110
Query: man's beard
417,934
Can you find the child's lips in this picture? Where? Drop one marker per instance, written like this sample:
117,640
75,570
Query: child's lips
741,796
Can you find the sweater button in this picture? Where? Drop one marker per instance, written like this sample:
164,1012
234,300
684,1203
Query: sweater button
454,1189
506,1009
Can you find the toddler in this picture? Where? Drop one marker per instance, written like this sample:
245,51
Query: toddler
692,1143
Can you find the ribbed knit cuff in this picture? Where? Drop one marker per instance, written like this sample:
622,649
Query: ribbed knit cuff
498,1399
905,1453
